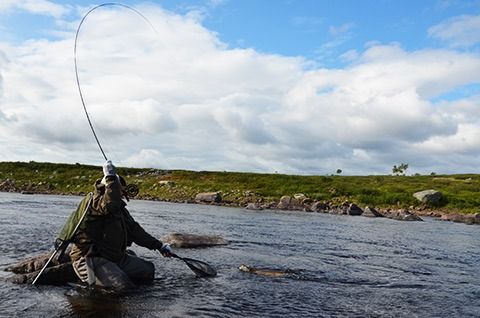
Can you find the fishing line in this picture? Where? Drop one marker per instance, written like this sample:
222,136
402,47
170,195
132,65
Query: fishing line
75,59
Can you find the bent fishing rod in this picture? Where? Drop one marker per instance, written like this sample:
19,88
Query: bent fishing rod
63,246
76,64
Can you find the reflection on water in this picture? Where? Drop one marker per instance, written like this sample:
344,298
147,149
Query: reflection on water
85,304
340,266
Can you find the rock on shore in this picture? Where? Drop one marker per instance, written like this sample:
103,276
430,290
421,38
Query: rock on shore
463,218
208,197
428,196
402,215
372,212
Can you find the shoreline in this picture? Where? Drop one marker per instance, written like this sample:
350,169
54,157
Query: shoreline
301,205
448,197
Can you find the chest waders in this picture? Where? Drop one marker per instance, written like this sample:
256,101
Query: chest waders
89,265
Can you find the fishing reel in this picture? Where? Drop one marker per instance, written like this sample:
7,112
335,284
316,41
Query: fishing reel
132,190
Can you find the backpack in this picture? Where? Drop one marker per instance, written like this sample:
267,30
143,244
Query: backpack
73,223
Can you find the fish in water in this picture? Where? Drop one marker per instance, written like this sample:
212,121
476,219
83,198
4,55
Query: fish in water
266,271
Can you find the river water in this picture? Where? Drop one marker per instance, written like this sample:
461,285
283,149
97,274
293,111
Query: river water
344,266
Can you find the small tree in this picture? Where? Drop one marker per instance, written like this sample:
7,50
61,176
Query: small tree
400,170
339,171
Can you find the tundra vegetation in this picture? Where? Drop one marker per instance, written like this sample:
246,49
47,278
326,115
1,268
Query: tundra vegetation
460,191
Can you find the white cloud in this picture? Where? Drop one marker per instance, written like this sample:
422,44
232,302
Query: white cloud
41,7
342,29
183,99
460,31
466,140
216,3
349,56
339,36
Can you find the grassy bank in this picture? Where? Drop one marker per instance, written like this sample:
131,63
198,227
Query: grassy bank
460,192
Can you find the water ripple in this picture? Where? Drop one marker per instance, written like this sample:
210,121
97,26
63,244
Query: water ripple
337,266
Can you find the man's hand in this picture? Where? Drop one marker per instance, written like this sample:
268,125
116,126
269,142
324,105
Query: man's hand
58,243
166,250
109,169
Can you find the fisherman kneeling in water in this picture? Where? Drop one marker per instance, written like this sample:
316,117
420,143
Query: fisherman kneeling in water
99,254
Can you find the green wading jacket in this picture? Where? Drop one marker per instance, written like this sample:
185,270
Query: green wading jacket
108,228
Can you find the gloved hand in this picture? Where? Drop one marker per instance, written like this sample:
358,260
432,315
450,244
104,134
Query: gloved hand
166,250
58,243
109,169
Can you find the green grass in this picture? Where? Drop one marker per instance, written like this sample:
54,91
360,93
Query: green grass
460,191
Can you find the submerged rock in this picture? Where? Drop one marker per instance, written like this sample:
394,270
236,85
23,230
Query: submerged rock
193,240
36,263
59,271
266,271
55,275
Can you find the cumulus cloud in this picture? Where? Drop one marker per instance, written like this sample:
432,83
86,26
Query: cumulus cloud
41,7
180,98
460,31
464,141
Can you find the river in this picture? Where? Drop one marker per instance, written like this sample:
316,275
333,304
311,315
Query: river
345,266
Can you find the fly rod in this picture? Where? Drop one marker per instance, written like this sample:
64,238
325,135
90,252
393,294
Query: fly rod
76,64
63,246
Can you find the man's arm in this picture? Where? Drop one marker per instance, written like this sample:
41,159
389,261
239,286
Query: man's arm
138,235
108,194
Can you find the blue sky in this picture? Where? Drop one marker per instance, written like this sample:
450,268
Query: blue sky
303,86
318,30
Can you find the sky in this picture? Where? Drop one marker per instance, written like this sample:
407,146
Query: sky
272,86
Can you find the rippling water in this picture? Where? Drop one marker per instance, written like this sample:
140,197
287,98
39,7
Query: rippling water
345,266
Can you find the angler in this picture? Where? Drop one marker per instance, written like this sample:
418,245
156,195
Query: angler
101,229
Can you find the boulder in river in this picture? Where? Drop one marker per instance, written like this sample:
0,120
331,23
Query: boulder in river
193,240
59,271
58,275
